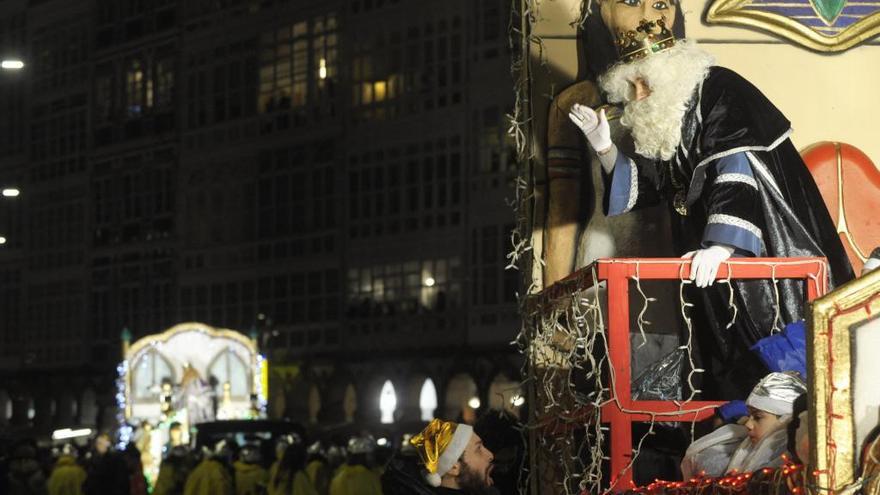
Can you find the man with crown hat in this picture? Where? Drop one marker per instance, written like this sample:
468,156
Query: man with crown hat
712,145
576,233
454,458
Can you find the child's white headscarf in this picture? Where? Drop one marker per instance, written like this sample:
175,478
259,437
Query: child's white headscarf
775,394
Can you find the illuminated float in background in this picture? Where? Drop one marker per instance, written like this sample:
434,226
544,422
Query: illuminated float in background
191,373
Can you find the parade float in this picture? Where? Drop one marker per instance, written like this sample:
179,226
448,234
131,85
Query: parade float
190,374
609,332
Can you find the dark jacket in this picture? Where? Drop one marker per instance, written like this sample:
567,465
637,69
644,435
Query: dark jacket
403,476
107,475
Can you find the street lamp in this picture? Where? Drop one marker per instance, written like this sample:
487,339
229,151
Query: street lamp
8,192
12,64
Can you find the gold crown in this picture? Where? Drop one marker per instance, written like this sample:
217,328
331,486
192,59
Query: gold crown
638,44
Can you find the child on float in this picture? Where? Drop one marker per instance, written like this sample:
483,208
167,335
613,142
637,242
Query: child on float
757,443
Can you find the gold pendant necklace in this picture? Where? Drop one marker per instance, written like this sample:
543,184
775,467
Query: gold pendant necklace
679,202
679,197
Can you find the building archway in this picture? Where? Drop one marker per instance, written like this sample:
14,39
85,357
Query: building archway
314,404
297,393
338,400
370,399
506,394
387,403
349,403
428,403
44,407
408,401
5,407
461,400
88,408
277,397
66,408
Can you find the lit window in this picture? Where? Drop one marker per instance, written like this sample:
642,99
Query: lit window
164,82
284,68
367,96
379,88
324,52
134,88
149,93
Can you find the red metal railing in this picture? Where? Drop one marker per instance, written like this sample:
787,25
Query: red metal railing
621,412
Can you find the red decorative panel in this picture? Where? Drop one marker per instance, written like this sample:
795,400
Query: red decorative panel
850,185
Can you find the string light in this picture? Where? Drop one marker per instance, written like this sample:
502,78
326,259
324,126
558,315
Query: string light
125,429
780,480
565,335
262,402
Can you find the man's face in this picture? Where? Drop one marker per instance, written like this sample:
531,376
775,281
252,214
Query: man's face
761,423
102,444
176,436
625,15
476,467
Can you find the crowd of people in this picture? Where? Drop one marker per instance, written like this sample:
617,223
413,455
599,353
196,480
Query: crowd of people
289,465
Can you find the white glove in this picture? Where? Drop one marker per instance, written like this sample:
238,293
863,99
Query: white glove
594,126
705,263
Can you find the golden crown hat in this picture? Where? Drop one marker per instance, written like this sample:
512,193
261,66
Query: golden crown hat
643,41
440,445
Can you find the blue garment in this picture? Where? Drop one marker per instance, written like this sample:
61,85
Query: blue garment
734,173
732,411
730,176
624,186
786,350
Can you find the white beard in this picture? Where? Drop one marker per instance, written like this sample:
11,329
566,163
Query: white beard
672,75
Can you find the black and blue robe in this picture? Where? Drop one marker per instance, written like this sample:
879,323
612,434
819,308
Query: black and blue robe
744,185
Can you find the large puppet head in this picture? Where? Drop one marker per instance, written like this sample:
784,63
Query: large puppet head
602,19
622,16
655,121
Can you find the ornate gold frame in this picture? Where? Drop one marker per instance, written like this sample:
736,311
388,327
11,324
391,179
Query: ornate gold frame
188,327
730,12
833,455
